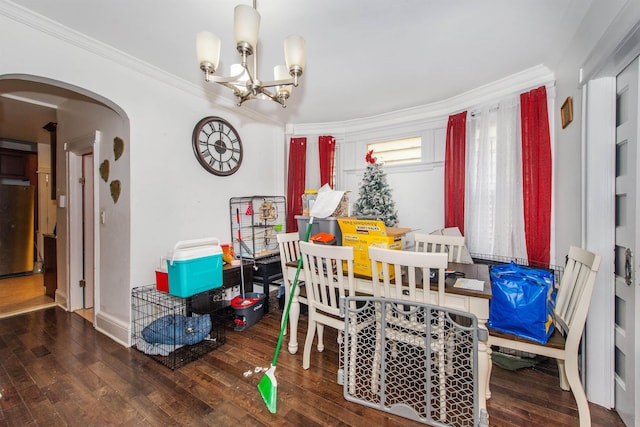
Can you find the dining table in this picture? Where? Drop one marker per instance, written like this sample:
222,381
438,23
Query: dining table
473,301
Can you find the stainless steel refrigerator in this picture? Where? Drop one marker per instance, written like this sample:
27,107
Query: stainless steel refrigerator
16,229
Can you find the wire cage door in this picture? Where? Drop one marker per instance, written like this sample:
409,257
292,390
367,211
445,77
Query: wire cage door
414,360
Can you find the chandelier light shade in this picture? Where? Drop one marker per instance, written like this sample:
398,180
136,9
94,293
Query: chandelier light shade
246,24
208,48
294,52
244,81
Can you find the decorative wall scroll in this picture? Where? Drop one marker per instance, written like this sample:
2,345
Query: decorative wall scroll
118,147
115,187
566,112
104,170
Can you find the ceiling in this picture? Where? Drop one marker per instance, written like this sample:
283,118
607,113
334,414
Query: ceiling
363,58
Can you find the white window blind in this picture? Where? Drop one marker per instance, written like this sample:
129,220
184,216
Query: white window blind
398,151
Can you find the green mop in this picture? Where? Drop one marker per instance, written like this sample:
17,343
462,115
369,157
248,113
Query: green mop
324,206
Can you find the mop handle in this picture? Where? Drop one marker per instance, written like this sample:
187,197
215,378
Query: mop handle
293,289
240,248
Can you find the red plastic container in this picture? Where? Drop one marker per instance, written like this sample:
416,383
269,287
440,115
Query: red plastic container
162,281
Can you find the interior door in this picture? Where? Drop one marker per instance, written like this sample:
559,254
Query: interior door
626,331
87,229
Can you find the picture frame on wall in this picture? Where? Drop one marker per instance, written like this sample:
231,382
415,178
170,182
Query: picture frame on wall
566,112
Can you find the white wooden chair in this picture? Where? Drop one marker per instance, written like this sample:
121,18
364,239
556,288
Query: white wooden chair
328,278
290,252
405,285
572,304
452,245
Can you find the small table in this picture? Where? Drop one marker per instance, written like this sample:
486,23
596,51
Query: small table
470,301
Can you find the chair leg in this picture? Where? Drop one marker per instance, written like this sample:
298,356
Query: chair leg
562,376
573,377
320,337
281,322
311,331
342,341
286,299
294,316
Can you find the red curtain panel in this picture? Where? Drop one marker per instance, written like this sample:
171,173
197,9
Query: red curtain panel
295,181
327,152
536,175
454,171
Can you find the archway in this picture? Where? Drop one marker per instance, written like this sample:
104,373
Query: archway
19,94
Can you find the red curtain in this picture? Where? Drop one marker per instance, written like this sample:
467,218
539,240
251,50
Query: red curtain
536,175
454,171
295,181
327,152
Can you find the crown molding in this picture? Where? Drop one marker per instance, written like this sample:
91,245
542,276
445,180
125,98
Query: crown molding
518,82
56,30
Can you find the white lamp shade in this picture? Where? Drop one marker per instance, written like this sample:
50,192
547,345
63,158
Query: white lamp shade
294,52
281,72
208,48
246,23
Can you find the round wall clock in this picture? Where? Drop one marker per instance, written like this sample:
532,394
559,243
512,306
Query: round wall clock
217,146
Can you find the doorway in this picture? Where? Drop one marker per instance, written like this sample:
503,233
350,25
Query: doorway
87,281
25,200
82,239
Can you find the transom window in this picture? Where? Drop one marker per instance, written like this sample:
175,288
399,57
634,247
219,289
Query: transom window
398,151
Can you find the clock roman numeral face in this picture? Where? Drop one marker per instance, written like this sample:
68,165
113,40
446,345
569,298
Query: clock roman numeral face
217,146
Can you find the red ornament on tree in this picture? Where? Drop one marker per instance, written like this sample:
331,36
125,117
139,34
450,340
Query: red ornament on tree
369,158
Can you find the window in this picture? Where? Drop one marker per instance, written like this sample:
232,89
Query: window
494,219
398,151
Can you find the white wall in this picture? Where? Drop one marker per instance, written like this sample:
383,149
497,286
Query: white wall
604,29
167,196
79,119
567,169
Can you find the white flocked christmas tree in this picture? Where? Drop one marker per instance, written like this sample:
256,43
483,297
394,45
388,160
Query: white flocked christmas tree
374,199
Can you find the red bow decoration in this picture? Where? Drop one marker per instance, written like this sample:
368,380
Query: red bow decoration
369,158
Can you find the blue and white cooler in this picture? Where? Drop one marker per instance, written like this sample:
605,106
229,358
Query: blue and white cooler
195,266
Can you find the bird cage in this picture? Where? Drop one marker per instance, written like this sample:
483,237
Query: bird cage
255,221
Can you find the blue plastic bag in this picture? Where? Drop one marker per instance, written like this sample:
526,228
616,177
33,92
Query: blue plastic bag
177,329
522,301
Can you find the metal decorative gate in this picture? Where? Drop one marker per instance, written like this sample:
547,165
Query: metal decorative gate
415,360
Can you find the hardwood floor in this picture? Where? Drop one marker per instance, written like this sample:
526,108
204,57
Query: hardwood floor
20,294
56,370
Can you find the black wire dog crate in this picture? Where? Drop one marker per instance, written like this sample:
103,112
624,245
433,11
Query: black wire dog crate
175,331
255,221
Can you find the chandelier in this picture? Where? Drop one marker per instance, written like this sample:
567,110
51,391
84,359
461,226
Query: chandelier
244,81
